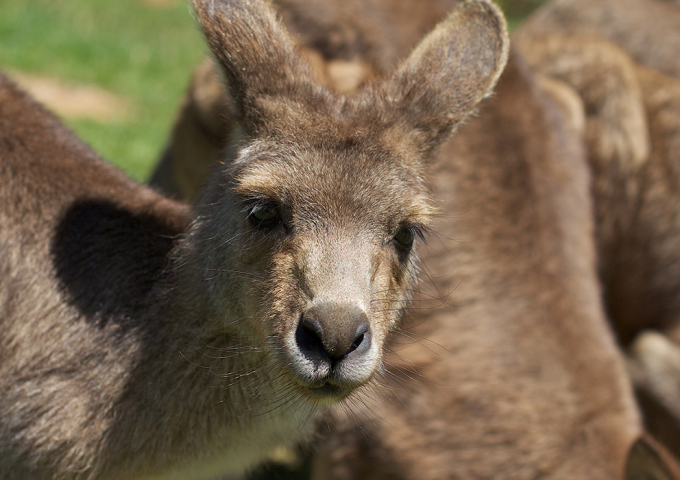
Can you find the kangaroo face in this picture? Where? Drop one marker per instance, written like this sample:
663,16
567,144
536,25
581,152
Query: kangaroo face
319,253
328,230
306,233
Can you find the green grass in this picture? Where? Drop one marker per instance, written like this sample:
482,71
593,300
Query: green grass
141,52
136,50
517,10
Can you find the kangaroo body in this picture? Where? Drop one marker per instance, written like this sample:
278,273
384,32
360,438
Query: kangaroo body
513,370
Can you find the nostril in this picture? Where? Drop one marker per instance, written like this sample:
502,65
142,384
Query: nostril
312,327
309,337
360,338
355,344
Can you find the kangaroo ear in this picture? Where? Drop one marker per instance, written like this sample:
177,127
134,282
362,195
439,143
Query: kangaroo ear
648,461
450,71
256,53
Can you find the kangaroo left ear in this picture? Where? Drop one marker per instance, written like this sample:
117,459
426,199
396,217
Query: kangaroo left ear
648,461
256,54
450,71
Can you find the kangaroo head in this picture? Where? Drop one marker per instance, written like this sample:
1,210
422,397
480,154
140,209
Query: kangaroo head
306,234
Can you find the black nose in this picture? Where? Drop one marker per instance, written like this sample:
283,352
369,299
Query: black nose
332,332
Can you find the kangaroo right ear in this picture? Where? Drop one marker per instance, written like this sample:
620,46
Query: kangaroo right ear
257,56
648,461
450,71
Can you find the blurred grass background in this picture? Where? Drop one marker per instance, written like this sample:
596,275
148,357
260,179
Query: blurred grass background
139,50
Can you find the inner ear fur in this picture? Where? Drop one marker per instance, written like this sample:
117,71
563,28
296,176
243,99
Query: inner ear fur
256,53
450,71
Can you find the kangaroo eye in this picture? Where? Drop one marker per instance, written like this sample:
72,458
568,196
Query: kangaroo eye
404,237
264,216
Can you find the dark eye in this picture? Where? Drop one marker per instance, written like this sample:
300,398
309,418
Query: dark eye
405,237
264,216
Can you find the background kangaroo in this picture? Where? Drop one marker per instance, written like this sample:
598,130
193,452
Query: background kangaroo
633,141
145,340
471,401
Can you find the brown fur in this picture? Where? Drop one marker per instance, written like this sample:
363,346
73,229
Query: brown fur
202,130
347,42
618,144
142,340
634,148
649,30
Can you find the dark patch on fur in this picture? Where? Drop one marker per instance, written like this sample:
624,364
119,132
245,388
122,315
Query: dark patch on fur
102,252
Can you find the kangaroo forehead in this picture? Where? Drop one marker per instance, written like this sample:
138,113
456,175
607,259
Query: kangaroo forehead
352,179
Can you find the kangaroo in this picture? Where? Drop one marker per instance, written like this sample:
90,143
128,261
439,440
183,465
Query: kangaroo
469,401
631,138
634,151
142,339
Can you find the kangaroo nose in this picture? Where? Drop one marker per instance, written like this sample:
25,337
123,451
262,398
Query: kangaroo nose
333,332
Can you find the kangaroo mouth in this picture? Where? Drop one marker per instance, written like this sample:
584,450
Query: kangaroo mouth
324,390
328,391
